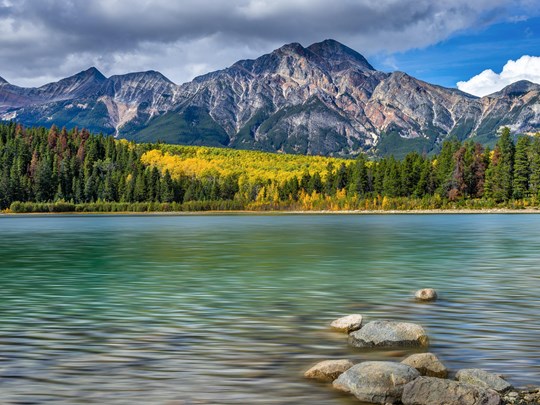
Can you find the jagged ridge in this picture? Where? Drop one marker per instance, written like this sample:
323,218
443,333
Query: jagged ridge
323,99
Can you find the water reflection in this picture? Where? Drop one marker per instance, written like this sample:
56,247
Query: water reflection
232,309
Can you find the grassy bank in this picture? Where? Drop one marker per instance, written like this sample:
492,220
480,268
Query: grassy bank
368,206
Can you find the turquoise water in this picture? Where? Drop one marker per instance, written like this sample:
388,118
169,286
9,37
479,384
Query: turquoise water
232,309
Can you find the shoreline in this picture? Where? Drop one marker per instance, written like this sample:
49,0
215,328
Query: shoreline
486,211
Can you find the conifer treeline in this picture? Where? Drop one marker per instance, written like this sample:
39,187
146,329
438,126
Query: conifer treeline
59,170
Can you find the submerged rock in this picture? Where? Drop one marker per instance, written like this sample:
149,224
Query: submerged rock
389,334
378,382
328,370
427,364
482,378
348,323
437,391
426,294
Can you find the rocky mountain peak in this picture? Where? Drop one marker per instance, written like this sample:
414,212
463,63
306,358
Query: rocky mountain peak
92,72
339,56
150,76
88,75
322,99
292,48
516,89
3,81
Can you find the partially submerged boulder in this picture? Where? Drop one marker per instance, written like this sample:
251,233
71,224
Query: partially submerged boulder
348,323
437,391
377,382
482,378
389,334
426,294
328,370
427,364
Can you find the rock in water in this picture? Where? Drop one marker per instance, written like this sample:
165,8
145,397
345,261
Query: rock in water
348,323
377,382
482,378
328,370
389,334
436,391
426,294
427,364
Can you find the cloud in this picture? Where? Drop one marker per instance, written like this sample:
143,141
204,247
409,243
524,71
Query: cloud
44,40
525,68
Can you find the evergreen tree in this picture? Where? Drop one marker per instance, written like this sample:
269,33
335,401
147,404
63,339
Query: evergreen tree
535,166
522,170
499,175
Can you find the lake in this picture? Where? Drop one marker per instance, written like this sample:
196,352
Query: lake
233,309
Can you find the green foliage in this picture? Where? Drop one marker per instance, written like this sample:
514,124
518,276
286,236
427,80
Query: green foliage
194,126
499,175
56,170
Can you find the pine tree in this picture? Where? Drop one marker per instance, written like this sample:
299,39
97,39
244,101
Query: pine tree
522,170
166,188
535,166
499,175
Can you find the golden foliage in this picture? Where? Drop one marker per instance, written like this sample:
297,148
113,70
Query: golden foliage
250,165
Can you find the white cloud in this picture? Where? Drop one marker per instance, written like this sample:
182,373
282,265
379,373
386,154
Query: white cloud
55,38
525,68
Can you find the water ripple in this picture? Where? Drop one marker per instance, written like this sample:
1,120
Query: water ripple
232,309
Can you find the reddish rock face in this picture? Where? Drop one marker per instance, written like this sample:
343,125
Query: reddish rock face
324,99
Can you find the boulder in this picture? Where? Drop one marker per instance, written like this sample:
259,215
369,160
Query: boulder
427,364
389,334
348,323
377,382
436,391
328,370
482,378
426,294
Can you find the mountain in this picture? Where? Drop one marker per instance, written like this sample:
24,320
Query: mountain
322,99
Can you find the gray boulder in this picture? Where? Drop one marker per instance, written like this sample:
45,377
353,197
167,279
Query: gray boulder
328,370
389,334
482,378
426,294
377,382
427,364
436,391
348,323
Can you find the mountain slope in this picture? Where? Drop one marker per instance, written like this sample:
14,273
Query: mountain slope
324,99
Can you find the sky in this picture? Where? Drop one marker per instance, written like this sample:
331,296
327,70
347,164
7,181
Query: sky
478,46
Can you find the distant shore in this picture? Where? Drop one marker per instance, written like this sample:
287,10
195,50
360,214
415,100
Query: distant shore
297,212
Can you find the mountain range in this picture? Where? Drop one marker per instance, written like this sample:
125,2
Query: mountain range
324,99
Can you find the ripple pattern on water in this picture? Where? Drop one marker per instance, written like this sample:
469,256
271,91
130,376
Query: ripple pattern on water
232,309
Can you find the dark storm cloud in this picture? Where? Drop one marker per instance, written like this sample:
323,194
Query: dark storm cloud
45,39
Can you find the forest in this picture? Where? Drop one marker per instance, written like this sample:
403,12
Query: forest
56,170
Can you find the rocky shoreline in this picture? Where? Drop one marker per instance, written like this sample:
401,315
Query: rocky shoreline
419,379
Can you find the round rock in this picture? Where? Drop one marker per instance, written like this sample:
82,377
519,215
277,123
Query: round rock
482,378
426,294
328,370
389,334
378,382
427,364
347,323
432,391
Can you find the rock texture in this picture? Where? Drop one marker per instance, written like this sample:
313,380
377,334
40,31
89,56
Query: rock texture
321,99
328,370
427,364
482,378
524,397
378,382
389,334
426,294
348,323
436,391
